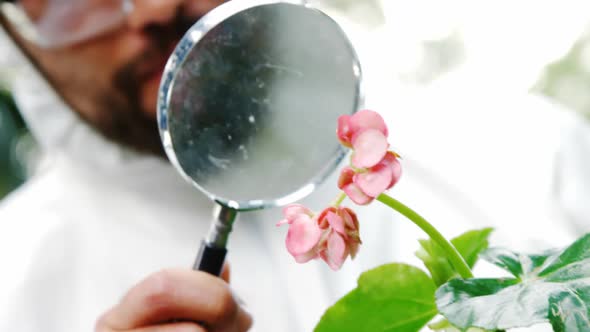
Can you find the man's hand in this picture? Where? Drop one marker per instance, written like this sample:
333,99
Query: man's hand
177,301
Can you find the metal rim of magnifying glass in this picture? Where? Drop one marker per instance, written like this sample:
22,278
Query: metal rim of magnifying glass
175,62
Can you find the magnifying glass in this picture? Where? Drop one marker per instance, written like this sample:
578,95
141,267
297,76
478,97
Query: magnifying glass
248,106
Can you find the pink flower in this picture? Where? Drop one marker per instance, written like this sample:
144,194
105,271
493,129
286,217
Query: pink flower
366,133
292,212
374,169
304,232
340,237
333,235
362,186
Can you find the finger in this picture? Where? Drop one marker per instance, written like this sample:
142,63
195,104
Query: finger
102,326
175,294
176,327
225,273
244,320
241,323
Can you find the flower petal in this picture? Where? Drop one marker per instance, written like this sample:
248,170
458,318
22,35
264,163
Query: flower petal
375,181
353,248
346,176
344,131
336,222
370,146
351,221
395,167
302,236
282,222
336,252
292,211
356,194
396,170
306,257
323,222
367,119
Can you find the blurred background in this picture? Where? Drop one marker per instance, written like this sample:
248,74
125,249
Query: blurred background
527,46
455,79
15,145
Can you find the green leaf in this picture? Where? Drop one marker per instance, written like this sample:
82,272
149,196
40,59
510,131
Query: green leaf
469,245
435,260
568,310
517,264
444,326
552,286
391,297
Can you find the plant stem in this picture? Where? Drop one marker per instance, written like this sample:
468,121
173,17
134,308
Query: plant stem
339,199
452,254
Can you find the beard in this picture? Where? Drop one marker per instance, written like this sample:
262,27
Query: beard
122,118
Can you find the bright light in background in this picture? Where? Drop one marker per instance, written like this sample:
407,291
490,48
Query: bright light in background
421,20
513,40
472,132
500,38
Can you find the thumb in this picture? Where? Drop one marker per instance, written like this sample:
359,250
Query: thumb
225,273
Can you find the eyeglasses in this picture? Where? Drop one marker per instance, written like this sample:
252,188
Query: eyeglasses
56,23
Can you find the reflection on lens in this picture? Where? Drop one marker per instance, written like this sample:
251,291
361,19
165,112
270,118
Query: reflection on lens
252,106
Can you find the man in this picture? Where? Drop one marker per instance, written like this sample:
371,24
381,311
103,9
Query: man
84,237
96,75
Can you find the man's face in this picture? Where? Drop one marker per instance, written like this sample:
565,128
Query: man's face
112,80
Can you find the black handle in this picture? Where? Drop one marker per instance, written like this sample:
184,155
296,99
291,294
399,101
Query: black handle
210,259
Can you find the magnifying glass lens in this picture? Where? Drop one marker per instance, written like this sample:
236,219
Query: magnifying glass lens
248,108
254,104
